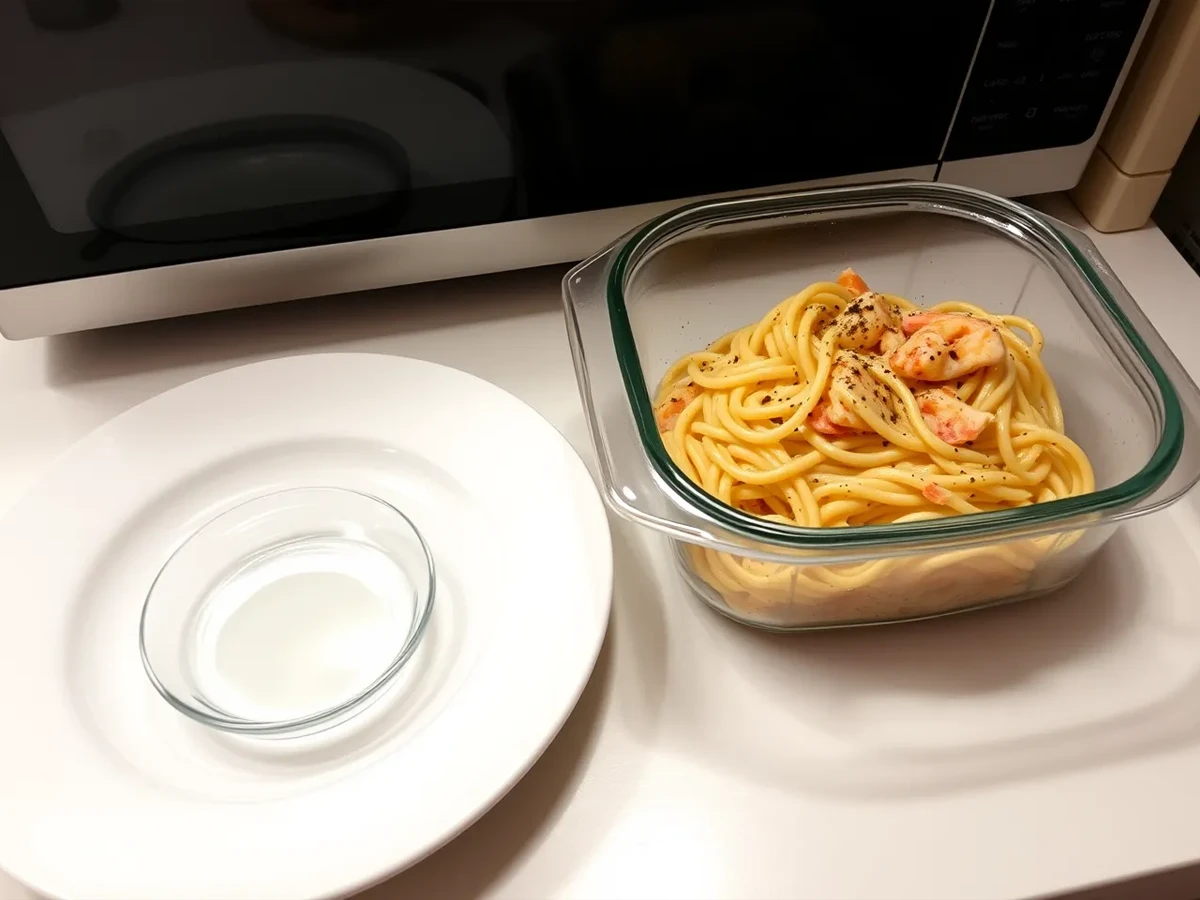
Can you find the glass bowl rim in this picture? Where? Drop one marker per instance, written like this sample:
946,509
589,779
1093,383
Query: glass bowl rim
329,715
953,200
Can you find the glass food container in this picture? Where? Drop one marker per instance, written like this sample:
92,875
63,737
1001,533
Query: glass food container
685,279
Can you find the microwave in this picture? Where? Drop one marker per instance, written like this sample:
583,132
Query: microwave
161,158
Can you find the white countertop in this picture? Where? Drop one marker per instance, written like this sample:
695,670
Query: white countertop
1019,752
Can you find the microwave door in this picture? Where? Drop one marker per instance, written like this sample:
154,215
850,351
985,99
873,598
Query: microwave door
137,145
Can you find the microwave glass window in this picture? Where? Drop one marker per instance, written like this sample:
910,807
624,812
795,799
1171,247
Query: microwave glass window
136,134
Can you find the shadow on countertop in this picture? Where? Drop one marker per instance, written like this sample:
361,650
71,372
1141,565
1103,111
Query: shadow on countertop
613,707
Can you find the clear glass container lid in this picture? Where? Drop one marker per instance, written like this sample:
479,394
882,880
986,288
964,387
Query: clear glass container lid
689,276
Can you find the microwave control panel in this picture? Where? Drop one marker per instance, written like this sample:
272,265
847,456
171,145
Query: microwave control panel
1043,74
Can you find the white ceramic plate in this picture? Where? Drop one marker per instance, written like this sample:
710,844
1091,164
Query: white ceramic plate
107,792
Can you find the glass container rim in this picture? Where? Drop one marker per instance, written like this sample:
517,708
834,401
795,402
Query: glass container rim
999,215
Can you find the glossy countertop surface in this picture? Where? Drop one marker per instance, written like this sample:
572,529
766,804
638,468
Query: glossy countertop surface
1026,751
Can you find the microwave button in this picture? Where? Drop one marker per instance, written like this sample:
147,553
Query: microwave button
989,121
1070,112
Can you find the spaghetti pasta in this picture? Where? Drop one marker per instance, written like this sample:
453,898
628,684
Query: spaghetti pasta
845,407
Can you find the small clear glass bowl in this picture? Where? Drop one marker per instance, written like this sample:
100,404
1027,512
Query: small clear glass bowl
289,613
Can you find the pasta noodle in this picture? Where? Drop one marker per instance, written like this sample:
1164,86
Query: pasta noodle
845,407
